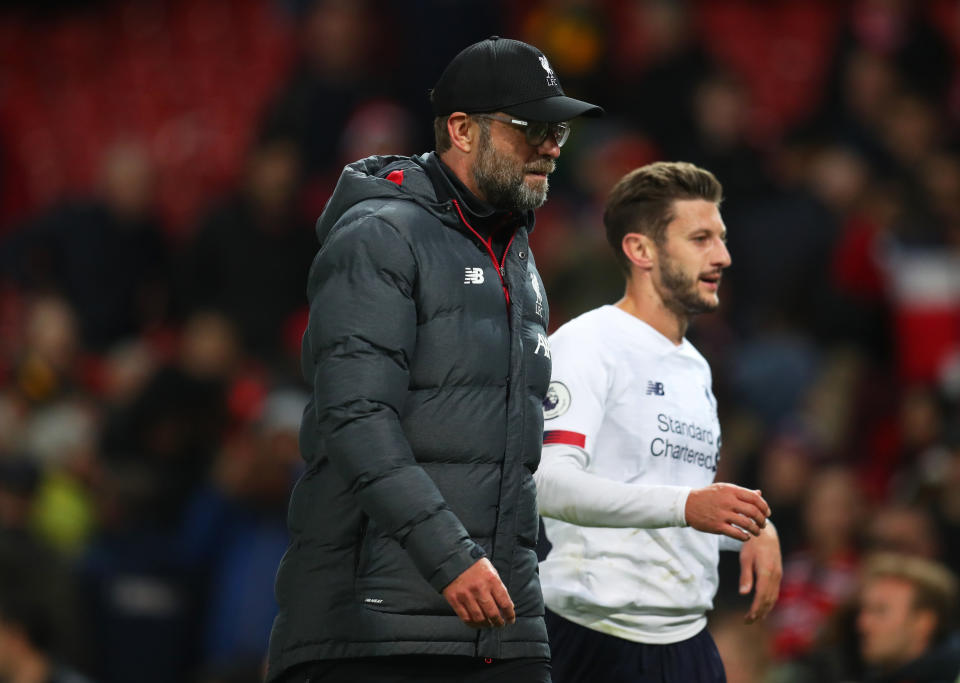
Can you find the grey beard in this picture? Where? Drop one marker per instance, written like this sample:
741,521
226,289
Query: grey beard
502,181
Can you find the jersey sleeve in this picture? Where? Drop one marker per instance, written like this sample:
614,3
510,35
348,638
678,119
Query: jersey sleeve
574,404
573,416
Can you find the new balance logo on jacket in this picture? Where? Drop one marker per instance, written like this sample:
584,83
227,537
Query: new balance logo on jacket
655,388
472,276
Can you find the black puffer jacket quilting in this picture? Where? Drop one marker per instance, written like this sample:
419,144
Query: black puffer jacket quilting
423,432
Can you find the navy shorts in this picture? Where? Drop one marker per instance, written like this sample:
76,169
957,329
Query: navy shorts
422,669
581,655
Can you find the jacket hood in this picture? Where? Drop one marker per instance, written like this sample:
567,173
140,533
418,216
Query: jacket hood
417,179
380,177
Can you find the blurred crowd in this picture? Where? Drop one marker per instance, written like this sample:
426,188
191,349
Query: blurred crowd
161,167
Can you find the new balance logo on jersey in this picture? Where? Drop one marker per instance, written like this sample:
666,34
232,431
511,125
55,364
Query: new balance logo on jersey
472,276
655,388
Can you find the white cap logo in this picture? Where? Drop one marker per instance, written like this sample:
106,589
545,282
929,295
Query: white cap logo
551,77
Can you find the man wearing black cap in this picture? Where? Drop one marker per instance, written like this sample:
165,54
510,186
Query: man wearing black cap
413,528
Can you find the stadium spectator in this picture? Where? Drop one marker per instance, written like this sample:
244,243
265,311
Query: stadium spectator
821,576
62,438
904,530
902,32
46,359
250,256
338,42
174,425
106,254
787,465
906,621
668,58
720,139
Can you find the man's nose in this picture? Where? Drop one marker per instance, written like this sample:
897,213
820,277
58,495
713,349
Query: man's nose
723,258
549,147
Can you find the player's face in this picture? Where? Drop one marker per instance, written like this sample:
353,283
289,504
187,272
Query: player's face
888,623
691,260
510,173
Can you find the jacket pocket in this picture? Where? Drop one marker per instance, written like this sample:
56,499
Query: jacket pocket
359,557
388,581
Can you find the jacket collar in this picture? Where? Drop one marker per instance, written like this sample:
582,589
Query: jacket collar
479,213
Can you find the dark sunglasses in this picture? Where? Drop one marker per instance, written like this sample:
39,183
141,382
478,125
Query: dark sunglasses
535,131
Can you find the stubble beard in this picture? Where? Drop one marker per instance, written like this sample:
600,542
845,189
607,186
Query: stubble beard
501,179
681,293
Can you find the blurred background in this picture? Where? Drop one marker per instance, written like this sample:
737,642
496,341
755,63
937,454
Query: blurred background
162,163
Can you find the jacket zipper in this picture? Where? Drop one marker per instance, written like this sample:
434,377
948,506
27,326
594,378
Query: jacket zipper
506,295
493,257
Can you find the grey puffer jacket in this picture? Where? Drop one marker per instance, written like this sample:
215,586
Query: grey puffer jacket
429,363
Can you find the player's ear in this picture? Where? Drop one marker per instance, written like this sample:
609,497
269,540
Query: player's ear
925,620
463,131
638,249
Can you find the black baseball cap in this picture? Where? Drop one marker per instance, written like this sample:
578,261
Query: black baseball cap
500,74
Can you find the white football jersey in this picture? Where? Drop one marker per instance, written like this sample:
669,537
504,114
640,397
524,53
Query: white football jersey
630,427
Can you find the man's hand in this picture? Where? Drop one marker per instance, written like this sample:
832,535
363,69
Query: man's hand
722,508
479,597
761,567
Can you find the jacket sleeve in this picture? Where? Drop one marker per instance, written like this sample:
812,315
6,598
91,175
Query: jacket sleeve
360,338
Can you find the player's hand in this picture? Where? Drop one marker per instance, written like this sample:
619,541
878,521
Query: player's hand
727,509
761,568
479,597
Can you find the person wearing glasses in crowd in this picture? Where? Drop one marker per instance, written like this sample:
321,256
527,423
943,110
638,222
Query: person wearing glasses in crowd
630,453
413,527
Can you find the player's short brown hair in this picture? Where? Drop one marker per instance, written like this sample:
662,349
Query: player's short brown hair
642,201
934,586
